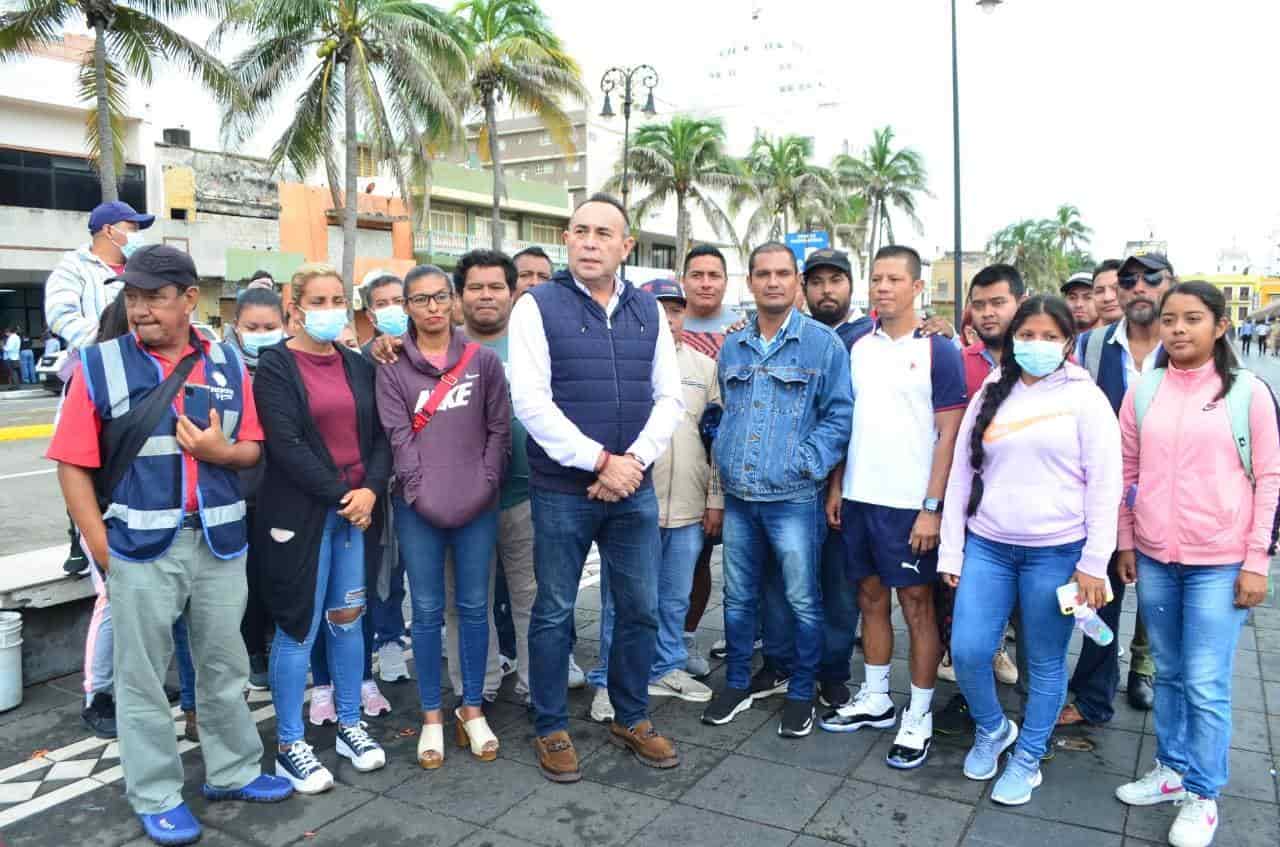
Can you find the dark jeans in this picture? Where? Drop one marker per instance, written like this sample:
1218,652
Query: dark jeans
627,534
1097,674
256,625
388,615
502,620
839,617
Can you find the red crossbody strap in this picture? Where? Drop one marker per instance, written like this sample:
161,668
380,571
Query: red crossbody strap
447,381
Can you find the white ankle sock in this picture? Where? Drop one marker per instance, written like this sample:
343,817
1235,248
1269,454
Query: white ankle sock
921,701
877,678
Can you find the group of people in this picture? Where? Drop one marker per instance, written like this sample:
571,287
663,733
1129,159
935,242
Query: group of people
18,358
257,503
1263,332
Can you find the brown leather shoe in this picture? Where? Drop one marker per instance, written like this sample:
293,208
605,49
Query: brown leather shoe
644,741
557,758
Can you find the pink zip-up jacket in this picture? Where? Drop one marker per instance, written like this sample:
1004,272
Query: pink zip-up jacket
1051,475
1187,498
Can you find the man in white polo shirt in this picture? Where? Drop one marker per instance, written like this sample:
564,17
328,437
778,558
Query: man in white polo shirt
909,396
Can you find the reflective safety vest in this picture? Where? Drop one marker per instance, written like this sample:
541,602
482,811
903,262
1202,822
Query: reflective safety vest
146,507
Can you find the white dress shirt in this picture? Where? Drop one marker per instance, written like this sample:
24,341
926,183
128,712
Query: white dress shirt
531,399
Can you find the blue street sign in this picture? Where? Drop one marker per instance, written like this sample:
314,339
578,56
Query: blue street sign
804,243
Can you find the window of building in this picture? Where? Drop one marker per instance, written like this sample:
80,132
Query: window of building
47,181
545,139
1226,291
664,256
484,228
542,168
546,232
366,165
1243,313
446,219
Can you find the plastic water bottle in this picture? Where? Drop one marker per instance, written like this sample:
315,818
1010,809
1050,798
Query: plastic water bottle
1094,627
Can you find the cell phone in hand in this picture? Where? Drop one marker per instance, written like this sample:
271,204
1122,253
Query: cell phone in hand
196,400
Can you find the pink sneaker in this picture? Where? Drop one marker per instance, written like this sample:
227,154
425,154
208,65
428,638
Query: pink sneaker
322,711
372,701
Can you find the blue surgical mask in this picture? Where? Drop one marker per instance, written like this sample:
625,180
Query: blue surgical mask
255,341
324,324
1038,358
132,241
391,319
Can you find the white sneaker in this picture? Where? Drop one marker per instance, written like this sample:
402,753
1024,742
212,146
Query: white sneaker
391,663
678,683
911,746
300,766
601,707
946,670
577,679
1197,822
1161,784
355,743
1005,668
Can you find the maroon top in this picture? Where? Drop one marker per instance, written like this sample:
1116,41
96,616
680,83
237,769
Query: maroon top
334,409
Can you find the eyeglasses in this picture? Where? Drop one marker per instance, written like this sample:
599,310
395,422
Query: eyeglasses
1129,280
440,298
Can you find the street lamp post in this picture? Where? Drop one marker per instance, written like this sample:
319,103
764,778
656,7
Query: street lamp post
957,281
629,80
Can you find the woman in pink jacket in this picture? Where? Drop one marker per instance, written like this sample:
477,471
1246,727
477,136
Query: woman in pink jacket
1197,532
1030,506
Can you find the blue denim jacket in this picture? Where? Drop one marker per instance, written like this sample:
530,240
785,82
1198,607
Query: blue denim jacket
788,413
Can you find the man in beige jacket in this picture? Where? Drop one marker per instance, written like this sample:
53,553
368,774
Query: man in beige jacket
687,486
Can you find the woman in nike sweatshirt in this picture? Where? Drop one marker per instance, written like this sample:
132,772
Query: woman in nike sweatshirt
448,462
1197,531
1030,506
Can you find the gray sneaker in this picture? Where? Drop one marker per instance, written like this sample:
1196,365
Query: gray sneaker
678,683
696,664
601,706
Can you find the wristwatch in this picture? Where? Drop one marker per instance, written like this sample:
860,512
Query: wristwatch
932,505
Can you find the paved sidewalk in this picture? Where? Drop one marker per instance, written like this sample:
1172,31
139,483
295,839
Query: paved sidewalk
738,785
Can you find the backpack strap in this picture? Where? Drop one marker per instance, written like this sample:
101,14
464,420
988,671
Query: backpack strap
1094,342
1239,399
1145,392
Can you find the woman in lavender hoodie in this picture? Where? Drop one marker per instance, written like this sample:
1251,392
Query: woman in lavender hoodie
448,467
1031,505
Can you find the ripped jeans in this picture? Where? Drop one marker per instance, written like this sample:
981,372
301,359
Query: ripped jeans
340,585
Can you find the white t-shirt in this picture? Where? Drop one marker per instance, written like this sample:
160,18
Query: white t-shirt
898,386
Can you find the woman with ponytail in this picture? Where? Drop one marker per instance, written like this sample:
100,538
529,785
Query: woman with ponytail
1031,505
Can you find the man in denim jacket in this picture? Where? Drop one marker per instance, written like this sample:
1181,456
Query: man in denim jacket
788,412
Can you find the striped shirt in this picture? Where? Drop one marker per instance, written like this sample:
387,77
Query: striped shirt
75,296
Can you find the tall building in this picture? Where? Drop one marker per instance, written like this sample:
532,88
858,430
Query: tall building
940,291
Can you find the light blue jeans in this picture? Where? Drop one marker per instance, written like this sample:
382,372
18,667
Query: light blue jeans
997,577
339,585
1193,625
680,549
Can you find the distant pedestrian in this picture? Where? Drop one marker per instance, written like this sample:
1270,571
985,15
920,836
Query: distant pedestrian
1246,334
27,361
9,354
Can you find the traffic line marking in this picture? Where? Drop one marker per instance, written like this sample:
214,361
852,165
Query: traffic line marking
28,473
19,433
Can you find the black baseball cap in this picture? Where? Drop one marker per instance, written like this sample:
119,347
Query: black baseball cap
837,259
664,289
1082,278
1149,261
154,266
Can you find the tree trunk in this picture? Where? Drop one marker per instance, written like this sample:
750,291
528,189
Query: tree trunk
499,184
106,141
427,177
351,200
875,229
682,230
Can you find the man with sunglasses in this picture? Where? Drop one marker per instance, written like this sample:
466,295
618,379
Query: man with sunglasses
1116,356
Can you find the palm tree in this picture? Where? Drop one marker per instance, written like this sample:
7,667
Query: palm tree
784,184
851,224
516,57
387,61
889,179
127,39
685,160
1070,229
1029,246
435,136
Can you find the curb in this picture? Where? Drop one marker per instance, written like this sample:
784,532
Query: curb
25,394
20,433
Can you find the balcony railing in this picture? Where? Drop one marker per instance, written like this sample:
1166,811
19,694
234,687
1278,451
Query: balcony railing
457,243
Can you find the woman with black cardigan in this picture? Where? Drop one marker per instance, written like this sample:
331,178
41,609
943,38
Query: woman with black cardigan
330,463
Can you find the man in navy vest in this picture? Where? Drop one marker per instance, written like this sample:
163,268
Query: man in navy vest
595,381
171,536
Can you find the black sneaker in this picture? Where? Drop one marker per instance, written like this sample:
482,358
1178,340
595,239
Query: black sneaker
77,564
726,706
954,719
911,746
768,682
833,695
797,719
100,715
258,678
172,694
719,650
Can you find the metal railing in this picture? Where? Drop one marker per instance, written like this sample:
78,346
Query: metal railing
457,243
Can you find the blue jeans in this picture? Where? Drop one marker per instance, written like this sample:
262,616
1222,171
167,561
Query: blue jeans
186,668
28,362
388,615
765,537
997,577
339,585
680,549
320,655
1193,624
839,617
426,547
626,532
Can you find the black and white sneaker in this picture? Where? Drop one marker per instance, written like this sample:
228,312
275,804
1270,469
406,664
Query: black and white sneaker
768,682
355,743
797,719
726,706
866,709
833,695
300,766
911,746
